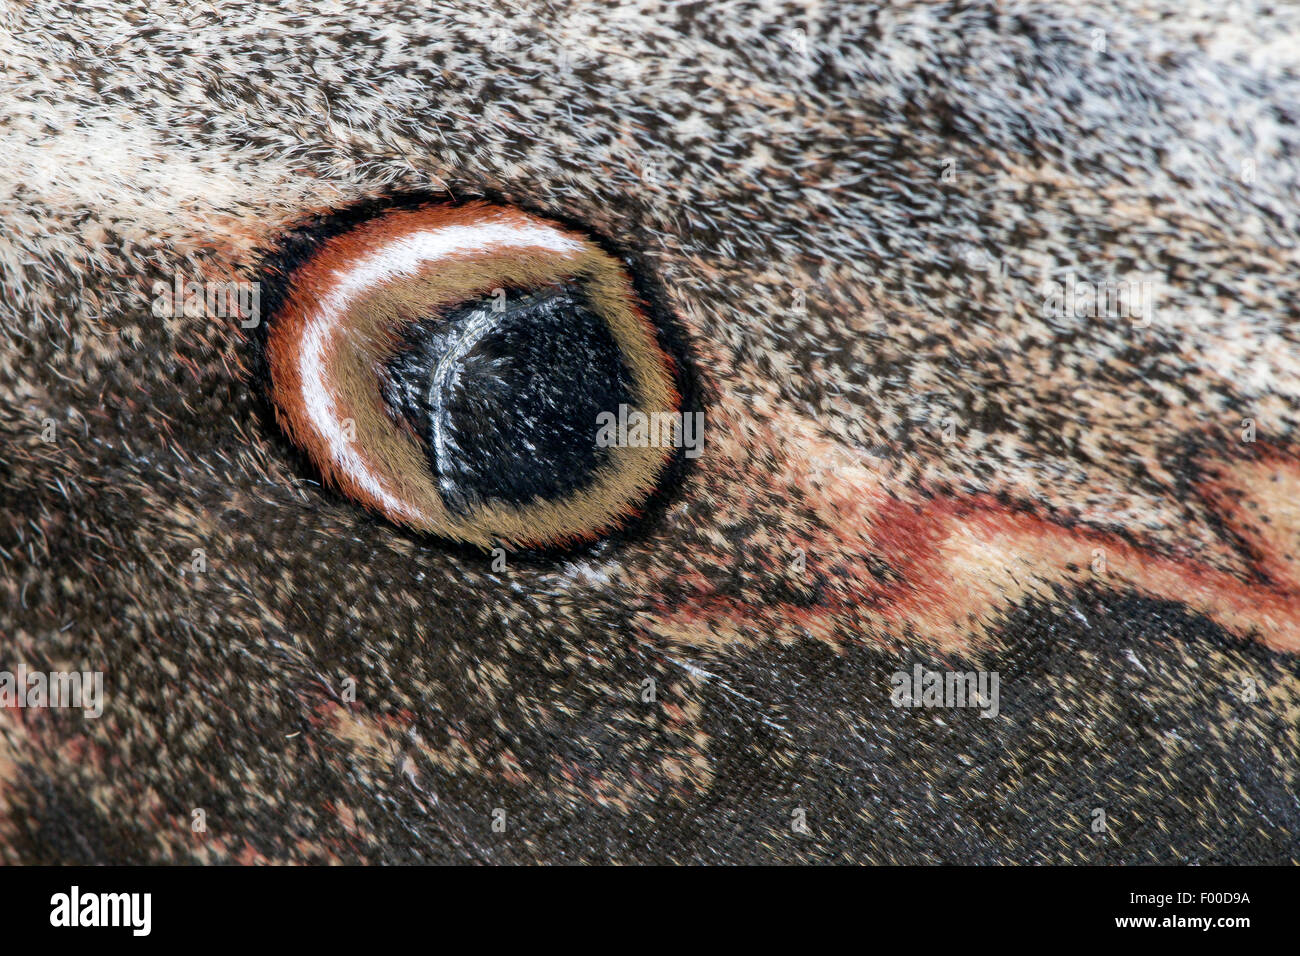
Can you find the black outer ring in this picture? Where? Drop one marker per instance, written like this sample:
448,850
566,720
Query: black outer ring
297,244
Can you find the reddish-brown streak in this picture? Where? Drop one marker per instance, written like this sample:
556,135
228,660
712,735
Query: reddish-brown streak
913,536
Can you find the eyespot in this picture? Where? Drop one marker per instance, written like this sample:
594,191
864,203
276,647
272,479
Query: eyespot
448,366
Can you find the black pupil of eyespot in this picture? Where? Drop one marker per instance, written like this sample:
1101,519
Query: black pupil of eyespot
505,393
